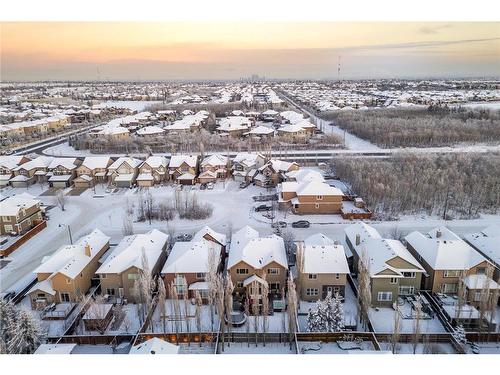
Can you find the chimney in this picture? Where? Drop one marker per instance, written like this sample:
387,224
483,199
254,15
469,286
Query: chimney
87,250
438,233
358,239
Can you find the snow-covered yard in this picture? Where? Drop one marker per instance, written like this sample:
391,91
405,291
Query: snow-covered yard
382,320
275,323
431,348
317,347
246,348
128,322
173,324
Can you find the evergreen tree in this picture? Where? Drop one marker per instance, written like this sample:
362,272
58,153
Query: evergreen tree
27,334
327,316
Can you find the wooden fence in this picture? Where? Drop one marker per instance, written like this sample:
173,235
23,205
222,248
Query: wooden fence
25,237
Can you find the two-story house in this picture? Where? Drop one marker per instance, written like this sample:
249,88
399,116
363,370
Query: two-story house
35,170
66,275
123,172
7,166
121,269
154,170
273,172
19,213
212,168
324,268
62,172
392,269
183,169
92,171
245,166
257,263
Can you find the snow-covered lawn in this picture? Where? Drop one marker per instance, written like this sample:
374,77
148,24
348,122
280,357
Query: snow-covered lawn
129,323
274,323
383,322
270,348
485,348
181,325
195,348
349,306
431,348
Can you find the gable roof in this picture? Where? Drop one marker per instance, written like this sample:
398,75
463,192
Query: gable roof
177,160
11,205
155,161
154,346
93,162
321,255
68,163
132,162
191,257
487,242
128,253
215,159
219,237
444,250
247,246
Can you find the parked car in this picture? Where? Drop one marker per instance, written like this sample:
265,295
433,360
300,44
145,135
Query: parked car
243,185
301,224
203,186
279,224
263,207
183,237
210,185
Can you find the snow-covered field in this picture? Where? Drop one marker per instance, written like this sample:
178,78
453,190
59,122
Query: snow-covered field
383,322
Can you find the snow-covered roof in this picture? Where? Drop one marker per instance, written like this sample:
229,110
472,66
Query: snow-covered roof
315,187
154,346
67,163
292,116
186,176
318,239
10,161
191,257
128,252
444,250
247,246
253,278
177,160
215,160
300,175
291,128
377,252
132,162
233,123
487,242
70,260
93,162
155,161
321,255
261,130
247,159
480,282
39,162
150,130
55,349
114,130
219,237
13,204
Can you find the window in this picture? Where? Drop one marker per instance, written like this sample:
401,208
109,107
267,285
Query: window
319,197
477,296
409,275
394,280
180,284
406,290
239,284
449,288
200,276
40,295
133,276
313,276
64,297
68,280
274,286
384,296
110,291
449,273
337,276
273,271
242,271
481,271
316,205
311,292
6,218
103,275
120,292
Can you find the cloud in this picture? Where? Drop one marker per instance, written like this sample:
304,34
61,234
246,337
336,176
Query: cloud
433,29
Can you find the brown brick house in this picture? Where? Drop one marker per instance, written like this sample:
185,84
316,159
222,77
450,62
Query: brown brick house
19,213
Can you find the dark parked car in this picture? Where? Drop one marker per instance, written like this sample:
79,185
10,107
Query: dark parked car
203,186
301,224
279,224
263,207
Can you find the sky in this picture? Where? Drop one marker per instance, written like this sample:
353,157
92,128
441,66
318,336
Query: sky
226,51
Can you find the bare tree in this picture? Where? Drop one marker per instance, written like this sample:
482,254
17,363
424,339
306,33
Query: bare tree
97,311
396,332
162,299
416,324
247,314
61,199
220,307
289,241
229,288
187,314
364,292
212,280
197,312
265,309
292,309
128,226
299,266
146,285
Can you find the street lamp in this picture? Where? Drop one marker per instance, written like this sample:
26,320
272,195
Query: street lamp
69,231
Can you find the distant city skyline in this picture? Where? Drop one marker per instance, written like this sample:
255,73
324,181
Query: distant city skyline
230,51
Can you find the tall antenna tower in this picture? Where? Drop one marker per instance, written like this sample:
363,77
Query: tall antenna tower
338,69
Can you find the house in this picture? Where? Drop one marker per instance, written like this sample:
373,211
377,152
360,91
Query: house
35,170
487,242
63,171
123,172
183,168
392,269
123,265
256,262
19,213
273,172
150,132
92,170
324,268
234,126
154,346
292,132
213,167
269,116
290,117
66,275
245,166
7,166
189,263
262,132
310,196
447,259
116,133
153,171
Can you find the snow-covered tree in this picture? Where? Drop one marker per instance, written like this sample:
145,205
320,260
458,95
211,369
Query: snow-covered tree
327,316
162,299
26,334
459,335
